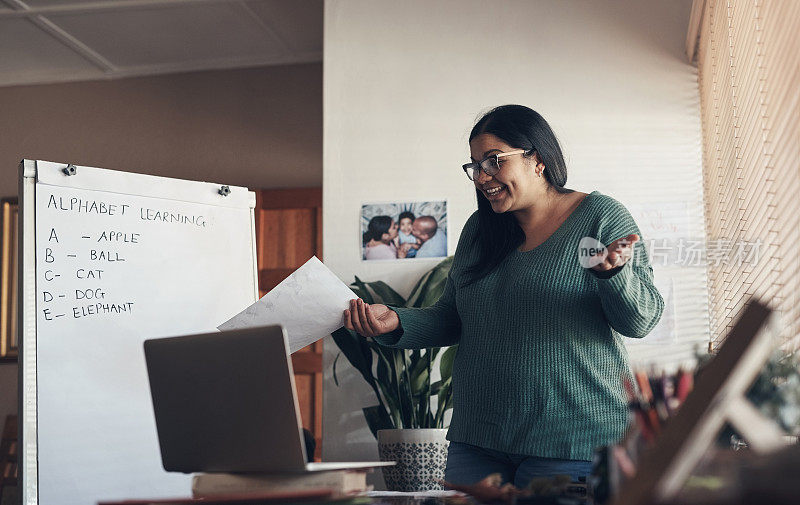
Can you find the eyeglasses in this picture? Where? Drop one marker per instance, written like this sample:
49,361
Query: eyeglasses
490,165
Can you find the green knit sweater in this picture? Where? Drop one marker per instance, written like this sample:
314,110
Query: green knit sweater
540,360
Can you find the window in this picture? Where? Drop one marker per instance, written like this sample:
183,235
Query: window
749,72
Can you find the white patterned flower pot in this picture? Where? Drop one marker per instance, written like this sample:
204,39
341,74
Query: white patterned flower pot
421,456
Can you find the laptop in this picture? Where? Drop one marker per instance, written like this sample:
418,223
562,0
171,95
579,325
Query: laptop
226,402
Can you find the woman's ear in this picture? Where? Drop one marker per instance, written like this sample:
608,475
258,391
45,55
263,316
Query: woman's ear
538,165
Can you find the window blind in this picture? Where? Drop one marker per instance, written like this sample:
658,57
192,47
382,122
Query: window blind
749,77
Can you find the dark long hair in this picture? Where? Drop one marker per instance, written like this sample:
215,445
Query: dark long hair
522,128
406,214
377,226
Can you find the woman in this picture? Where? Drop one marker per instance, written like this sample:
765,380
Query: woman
379,239
537,380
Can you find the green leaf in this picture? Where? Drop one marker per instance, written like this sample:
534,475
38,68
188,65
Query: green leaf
448,402
444,397
418,364
384,369
419,382
386,382
426,293
420,371
335,379
403,387
387,295
434,292
358,291
358,352
418,291
351,346
377,419
364,293
421,386
446,363
361,358
389,394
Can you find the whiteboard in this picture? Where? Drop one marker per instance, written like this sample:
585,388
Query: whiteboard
111,259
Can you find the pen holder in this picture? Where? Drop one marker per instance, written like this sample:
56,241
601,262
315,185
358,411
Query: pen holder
421,456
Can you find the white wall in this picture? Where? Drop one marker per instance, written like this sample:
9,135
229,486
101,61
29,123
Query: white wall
405,81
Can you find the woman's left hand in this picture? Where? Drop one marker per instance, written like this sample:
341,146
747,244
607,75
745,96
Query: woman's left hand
618,253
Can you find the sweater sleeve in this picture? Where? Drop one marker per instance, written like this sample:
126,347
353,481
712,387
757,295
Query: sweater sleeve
438,325
630,301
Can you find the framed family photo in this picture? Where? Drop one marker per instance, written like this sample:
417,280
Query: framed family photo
403,230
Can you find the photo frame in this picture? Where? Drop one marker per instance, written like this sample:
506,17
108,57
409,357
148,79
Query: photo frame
403,230
9,280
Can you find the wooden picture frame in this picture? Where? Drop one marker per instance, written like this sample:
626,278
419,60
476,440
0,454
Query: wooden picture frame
9,279
718,397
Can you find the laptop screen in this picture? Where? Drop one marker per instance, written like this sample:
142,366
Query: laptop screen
226,402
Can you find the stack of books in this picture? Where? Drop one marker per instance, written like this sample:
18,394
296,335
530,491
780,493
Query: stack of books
341,484
333,487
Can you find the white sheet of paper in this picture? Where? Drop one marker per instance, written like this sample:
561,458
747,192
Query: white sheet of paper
309,304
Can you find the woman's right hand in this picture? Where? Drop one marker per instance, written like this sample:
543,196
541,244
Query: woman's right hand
370,320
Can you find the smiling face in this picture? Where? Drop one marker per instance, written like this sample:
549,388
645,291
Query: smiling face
424,228
405,225
391,234
516,186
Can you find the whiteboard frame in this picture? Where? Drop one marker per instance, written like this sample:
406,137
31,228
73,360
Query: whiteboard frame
93,179
28,437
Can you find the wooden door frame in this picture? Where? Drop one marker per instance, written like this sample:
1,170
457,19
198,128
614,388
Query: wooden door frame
309,363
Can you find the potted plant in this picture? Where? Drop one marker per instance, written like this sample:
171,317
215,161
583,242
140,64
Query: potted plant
409,429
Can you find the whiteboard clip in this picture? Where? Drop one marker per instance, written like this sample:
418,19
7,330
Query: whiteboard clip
69,170
225,190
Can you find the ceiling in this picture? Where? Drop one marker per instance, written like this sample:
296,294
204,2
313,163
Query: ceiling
47,41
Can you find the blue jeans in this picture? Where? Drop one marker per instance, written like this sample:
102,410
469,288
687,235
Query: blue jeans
467,464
